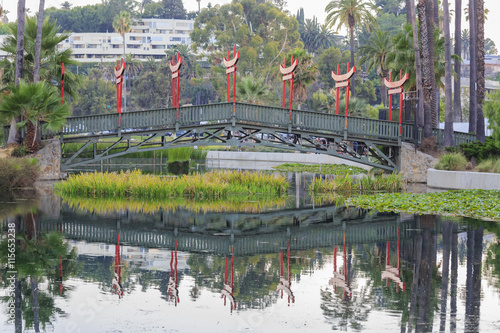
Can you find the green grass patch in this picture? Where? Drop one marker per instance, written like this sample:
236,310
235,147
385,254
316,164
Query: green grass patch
346,183
211,185
480,204
452,162
489,165
326,169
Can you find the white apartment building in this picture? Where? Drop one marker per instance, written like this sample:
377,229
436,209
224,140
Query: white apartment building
147,38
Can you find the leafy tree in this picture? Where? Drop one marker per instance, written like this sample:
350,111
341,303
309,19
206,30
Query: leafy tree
153,88
490,47
349,14
109,9
35,103
80,19
394,7
328,61
173,9
375,56
260,31
491,109
97,95
153,10
66,5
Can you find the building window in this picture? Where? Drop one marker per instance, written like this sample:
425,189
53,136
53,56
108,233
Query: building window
131,46
158,47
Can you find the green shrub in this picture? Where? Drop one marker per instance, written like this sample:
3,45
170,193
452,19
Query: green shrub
16,173
452,162
19,151
479,151
496,166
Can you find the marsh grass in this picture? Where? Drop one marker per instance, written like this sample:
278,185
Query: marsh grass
346,183
326,169
207,186
489,165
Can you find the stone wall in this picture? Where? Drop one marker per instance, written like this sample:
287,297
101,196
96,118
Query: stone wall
414,166
49,160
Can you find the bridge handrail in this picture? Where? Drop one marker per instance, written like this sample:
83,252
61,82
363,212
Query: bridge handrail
247,113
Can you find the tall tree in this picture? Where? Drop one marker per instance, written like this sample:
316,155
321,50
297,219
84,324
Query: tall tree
375,56
473,67
480,135
38,42
174,9
21,12
457,101
349,14
121,24
418,67
449,139
426,18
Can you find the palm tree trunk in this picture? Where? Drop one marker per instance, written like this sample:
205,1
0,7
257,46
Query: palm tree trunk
418,67
408,12
14,134
351,30
473,67
383,88
480,135
428,68
124,109
38,42
449,139
457,102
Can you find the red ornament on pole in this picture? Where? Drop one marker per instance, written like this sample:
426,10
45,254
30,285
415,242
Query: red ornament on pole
175,66
396,87
231,68
342,80
288,75
62,85
119,70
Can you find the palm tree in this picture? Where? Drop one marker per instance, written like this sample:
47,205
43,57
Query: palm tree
416,55
465,41
51,59
350,13
21,12
473,67
375,56
188,58
251,90
304,75
481,84
457,102
121,24
426,18
134,67
449,139
39,104
38,42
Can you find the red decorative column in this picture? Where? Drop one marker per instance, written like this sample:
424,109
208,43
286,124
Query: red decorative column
175,66
396,87
288,75
342,80
119,70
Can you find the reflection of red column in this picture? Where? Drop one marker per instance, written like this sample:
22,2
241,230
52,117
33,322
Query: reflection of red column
228,289
173,286
117,279
285,284
394,273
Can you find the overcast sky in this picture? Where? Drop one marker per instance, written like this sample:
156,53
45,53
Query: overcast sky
314,7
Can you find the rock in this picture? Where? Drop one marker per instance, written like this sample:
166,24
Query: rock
414,166
49,160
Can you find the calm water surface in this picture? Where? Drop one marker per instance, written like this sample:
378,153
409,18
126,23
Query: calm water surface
297,264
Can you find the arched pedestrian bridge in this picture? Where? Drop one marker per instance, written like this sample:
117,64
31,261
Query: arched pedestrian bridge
367,141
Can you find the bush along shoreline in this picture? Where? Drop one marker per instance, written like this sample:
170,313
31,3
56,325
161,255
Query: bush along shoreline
210,185
366,183
17,173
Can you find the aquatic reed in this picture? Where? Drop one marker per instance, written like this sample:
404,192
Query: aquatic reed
211,185
346,183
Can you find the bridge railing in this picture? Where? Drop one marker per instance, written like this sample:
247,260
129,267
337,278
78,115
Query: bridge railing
247,113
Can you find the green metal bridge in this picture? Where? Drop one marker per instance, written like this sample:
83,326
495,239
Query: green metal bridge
367,141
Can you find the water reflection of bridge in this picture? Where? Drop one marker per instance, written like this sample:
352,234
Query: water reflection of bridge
327,228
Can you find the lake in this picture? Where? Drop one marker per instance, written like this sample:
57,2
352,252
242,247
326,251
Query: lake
300,263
